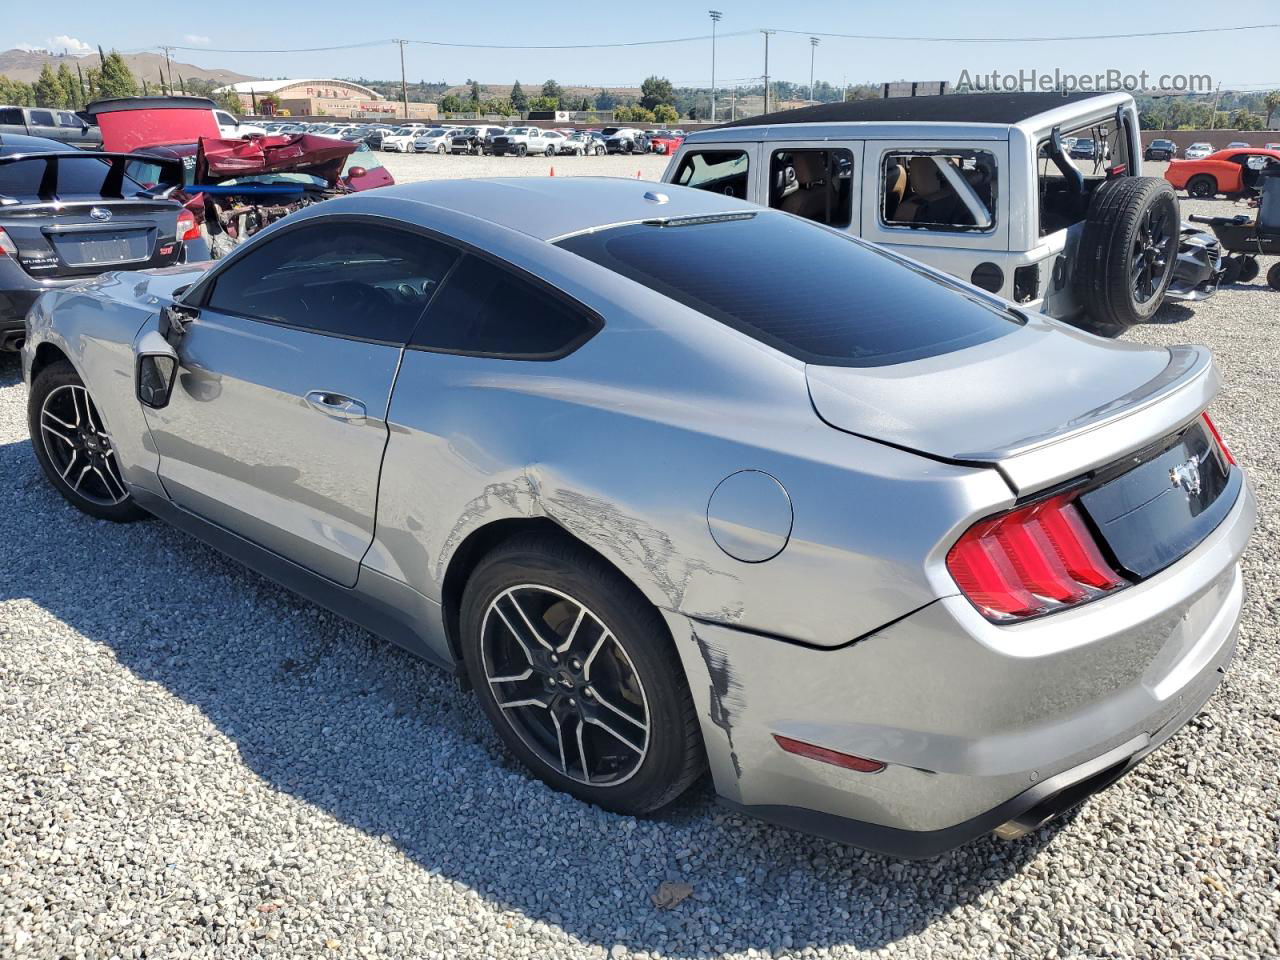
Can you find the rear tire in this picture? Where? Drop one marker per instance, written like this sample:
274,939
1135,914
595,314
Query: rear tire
1128,252
1273,276
1201,186
73,448
1249,269
521,150
598,644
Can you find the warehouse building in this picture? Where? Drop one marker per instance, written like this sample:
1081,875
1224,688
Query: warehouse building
322,98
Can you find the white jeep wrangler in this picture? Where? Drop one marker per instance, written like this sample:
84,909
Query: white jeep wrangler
983,187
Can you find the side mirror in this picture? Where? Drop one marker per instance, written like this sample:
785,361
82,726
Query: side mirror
156,370
356,172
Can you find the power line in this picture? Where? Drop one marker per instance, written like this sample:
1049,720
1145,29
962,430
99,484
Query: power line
1094,36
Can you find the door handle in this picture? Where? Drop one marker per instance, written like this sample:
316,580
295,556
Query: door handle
336,405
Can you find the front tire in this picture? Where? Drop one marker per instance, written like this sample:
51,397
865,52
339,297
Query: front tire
577,673
73,448
521,150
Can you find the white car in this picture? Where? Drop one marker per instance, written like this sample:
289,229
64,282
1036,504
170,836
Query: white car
433,140
1198,151
402,140
231,128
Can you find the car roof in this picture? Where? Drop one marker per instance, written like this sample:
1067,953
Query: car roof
21,143
1006,108
552,207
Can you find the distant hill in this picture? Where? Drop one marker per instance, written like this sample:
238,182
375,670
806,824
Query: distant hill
24,66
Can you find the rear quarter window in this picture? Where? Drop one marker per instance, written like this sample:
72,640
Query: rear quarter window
810,292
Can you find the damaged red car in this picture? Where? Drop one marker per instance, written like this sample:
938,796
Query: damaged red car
233,188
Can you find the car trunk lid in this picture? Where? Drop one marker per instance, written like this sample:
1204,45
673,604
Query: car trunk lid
1044,405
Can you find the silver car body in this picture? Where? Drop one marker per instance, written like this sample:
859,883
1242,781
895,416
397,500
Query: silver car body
851,635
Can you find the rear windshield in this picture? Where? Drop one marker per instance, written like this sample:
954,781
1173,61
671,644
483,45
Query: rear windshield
812,293
76,177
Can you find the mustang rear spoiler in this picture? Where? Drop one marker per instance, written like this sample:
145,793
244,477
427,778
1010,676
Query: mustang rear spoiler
112,184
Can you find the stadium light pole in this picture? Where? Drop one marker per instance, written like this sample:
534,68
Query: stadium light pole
767,34
715,18
813,49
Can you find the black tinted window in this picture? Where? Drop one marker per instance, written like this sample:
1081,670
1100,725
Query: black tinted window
11,115
76,177
349,279
807,291
486,310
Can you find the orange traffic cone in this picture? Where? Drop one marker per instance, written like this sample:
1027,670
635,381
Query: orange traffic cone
553,171
637,174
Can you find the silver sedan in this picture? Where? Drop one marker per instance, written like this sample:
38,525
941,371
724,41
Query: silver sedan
675,483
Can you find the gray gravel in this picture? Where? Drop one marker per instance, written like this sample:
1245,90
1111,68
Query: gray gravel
196,763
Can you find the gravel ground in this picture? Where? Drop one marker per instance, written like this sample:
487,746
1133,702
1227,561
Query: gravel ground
196,763
408,167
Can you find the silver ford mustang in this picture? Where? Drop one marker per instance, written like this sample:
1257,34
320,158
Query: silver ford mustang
676,483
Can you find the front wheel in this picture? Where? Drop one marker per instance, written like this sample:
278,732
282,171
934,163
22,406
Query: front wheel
440,149
577,673
72,446
551,149
521,150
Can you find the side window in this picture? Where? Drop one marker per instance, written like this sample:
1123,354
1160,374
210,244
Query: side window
348,279
42,118
225,119
1098,151
11,115
721,171
68,119
814,184
939,189
489,311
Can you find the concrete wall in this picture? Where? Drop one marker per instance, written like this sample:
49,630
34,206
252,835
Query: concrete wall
1219,138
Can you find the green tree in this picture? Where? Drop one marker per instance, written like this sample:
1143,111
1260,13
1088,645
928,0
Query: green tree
605,100
451,103
72,95
48,90
554,91
656,90
638,114
665,113
544,103
476,93
13,93
518,99
1244,120
498,105
115,79
584,105
1271,101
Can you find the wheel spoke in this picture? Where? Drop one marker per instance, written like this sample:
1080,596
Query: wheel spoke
537,635
586,665
573,631
76,486
525,702
513,678
625,741
528,654
555,722
70,464
644,727
582,753
51,431
58,420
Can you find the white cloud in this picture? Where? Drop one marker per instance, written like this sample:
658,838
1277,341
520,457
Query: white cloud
196,39
72,45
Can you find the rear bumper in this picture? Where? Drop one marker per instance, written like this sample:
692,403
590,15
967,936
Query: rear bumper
979,726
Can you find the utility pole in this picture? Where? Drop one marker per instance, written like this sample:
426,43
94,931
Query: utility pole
767,34
733,103
813,49
1213,113
404,87
715,18
168,63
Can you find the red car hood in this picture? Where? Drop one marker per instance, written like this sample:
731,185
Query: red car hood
321,157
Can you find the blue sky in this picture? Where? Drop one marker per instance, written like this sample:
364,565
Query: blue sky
1242,58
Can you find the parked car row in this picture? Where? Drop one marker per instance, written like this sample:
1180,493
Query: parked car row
1234,172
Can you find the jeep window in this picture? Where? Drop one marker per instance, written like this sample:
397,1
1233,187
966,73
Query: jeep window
814,184
938,189
1060,204
43,118
721,171
68,119
843,302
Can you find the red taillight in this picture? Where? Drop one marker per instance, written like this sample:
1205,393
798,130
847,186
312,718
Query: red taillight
7,247
188,229
825,755
1030,561
1217,438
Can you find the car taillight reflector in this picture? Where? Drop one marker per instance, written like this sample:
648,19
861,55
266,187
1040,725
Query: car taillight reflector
825,755
187,227
1217,438
7,247
1031,560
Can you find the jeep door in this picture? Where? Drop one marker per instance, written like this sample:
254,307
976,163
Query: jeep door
277,424
945,203
725,168
814,179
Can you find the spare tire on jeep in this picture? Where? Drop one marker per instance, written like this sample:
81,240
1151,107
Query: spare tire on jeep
1128,250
